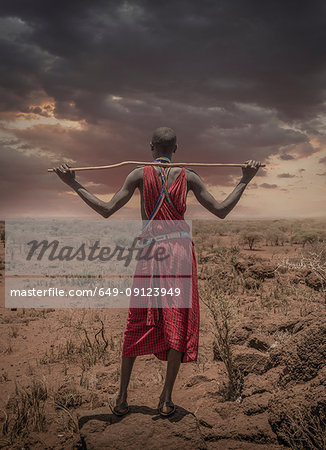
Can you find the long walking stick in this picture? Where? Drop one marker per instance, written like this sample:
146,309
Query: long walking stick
144,163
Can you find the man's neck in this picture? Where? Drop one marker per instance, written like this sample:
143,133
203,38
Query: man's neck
164,156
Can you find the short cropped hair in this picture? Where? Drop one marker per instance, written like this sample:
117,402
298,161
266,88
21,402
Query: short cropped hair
164,137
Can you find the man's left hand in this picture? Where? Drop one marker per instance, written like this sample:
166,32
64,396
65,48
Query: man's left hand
65,174
250,171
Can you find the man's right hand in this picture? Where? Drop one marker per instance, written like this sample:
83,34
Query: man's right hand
250,171
65,174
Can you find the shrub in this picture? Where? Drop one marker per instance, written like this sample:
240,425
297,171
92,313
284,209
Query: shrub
251,238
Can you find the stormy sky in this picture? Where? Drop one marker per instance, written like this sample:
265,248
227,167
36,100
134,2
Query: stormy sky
86,82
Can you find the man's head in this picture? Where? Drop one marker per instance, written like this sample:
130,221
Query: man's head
164,142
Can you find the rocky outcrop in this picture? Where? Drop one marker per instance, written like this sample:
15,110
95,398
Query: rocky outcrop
142,428
304,353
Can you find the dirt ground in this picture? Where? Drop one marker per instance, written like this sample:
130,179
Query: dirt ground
57,373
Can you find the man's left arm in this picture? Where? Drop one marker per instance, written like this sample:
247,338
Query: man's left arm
106,209
222,209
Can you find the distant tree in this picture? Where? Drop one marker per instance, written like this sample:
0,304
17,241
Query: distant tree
2,236
275,237
305,237
251,238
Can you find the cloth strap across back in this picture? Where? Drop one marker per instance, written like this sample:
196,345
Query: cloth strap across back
164,172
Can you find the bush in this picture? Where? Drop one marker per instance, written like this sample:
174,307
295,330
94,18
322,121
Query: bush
305,237
275,237
251,238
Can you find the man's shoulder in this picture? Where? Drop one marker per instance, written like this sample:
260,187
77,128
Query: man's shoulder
191,174
191,170
137,170
136,174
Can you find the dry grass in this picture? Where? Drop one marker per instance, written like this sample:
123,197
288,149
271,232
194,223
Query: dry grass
223,312
25,411
311,258
86,345
66,397
304,430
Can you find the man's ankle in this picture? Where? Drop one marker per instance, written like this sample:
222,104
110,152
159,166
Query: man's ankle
122,394
166,396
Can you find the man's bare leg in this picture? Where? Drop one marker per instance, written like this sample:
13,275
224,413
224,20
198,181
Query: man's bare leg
126,369
174,361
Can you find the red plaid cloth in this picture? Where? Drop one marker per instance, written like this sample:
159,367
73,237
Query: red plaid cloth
155,330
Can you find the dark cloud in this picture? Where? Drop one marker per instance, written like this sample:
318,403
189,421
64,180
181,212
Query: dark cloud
208,53
286,157
236,80
268,186
252,185
286,175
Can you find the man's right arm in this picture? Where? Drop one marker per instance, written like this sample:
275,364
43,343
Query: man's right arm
106,209
221,209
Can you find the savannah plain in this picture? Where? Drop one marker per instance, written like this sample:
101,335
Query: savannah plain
258,383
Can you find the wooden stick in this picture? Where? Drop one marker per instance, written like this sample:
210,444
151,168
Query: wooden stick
142,163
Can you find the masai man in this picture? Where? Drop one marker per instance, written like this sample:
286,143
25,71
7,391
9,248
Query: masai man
174,337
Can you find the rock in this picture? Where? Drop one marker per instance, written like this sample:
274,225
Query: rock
260,343
304,353
256,269
228,409
283,324
251,361
239,335
313,281
289,326
257,384
261,271
243,428
251,283
142,428
256,403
